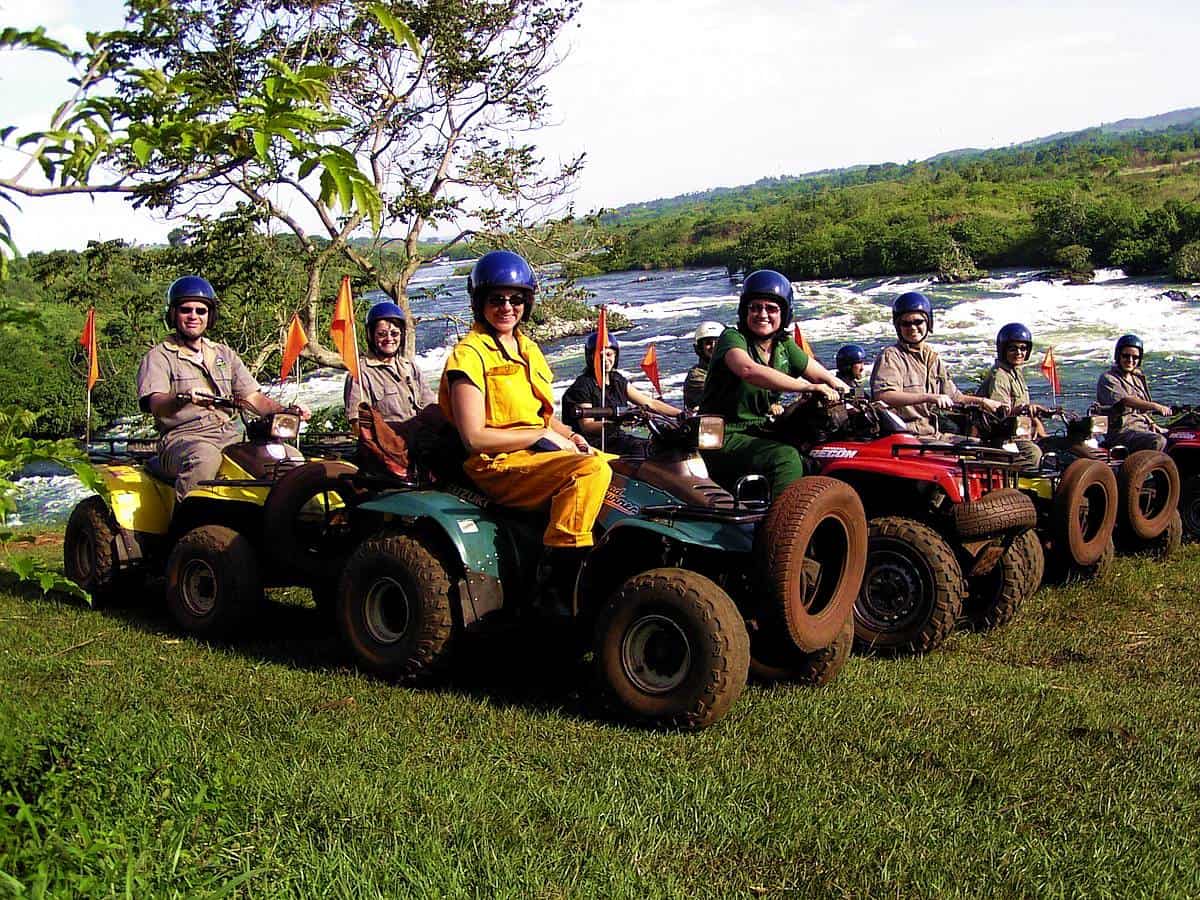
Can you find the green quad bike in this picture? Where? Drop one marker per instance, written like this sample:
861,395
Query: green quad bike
267,518
687,590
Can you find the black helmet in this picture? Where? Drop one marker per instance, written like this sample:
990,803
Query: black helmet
849,355
501,269
384,309
913,301
768,285
1013,333
190,287
1129,340
589,349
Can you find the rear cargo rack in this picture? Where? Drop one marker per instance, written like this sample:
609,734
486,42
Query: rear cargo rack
994,463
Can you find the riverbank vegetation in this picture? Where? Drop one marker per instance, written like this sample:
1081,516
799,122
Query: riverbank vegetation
1129,200
1058,756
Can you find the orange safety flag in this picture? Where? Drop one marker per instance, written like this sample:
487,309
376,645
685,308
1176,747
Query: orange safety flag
801,342
650,367
88,340
295,341
341,329
601,343
1050,370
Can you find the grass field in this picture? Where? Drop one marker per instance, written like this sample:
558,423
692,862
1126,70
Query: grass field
1060,756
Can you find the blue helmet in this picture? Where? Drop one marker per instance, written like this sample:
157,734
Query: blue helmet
500,269
1013,333
190,287
913,301
849,355
589,348
384,309
766,284
1128,340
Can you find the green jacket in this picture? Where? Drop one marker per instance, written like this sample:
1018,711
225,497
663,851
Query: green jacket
740,404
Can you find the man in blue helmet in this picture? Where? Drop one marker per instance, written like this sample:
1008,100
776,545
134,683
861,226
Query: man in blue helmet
851,363
1005,384
390,383
1125,383
753,366
910,377
178,378
585,391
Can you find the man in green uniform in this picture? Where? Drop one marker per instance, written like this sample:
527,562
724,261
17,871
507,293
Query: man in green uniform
753,365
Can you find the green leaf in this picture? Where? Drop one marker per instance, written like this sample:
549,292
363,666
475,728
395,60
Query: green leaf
22,565
141,149
400,32
262,145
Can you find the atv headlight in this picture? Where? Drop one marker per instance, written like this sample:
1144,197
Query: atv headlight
285,426
711,432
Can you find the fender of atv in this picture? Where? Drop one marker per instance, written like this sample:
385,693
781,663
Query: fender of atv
139,502
1037,486
477,536
712,535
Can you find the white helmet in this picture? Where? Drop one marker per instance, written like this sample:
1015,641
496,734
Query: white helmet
707,330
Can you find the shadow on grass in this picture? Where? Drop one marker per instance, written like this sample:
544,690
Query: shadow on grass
526,666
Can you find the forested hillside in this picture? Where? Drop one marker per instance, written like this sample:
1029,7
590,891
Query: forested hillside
1093,198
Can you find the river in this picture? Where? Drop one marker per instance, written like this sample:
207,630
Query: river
1081,322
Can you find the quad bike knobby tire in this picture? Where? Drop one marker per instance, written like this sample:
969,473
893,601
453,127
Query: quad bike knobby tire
213,582
1004,509
913,590
1165,545
774,658
1148,488
812,552
671,650
1060,570
306,532
90,555
994,598
394,607
1085,510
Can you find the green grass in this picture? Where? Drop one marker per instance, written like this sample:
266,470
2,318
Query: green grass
1059,756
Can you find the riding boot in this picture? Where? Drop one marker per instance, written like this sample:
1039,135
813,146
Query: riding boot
557,570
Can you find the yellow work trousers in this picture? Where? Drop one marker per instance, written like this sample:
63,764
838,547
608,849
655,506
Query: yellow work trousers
571,484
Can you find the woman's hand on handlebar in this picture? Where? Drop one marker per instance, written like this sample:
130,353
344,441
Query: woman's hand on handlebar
941,401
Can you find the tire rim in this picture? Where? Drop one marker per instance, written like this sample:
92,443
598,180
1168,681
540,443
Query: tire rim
1092,508
656,654
1154,486
84,557
198,587
387,611
895,592
824,565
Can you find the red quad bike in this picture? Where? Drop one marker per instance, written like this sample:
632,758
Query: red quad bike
1076,495
1183,446
1149,516
950,535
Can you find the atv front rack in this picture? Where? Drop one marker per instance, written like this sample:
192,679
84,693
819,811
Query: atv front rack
109,450
993,463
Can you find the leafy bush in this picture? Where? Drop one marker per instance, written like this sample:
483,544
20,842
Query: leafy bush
1185,265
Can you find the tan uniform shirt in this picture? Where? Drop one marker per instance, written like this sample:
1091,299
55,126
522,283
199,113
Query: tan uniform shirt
1115,385
394,387
1005,385
171,368
917,370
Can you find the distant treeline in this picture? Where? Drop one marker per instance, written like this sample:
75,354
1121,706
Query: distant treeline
1125,200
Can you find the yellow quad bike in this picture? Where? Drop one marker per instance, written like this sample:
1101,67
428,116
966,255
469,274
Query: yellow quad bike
268,518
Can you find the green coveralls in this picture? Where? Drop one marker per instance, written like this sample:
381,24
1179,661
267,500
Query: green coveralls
744,407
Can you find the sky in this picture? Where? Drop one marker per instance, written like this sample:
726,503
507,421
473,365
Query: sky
672,96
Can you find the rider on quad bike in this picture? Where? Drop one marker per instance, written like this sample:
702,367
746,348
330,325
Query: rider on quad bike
201,509
1005,384
753,365
681,587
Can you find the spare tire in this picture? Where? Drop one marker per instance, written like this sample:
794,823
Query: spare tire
1148,488
1004,509
1085,510
812,552
305,527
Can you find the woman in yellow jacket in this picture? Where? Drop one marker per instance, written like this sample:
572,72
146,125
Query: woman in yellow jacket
496,389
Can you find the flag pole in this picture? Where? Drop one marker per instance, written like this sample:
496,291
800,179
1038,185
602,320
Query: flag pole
87,428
